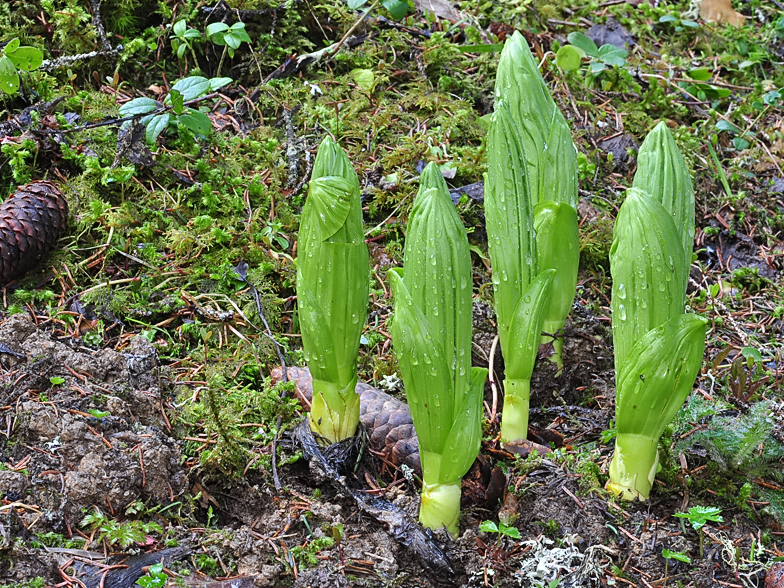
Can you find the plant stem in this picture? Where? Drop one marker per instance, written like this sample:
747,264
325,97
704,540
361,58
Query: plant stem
514,418
440,507
220,63
633,466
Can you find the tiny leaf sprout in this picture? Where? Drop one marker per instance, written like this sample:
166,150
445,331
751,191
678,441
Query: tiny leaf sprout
501,529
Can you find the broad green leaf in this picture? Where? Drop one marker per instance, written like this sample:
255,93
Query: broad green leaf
663,174
724,125
196,121
568,58
356,4
9,79
558,248
397,8
156,126
648,269
192,34
437,266
139,106
508,218
526,328
426,373
658,375
192,87
584,43
544,134
180,50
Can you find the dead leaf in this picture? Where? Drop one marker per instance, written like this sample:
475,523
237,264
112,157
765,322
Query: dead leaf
443,9
721,11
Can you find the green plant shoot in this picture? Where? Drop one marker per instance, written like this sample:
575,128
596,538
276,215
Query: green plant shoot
658,349
431,333
521,292
551,165
332,290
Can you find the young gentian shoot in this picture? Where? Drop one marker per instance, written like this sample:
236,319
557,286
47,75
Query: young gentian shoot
431,332
658,349
521,292
332,290
551,164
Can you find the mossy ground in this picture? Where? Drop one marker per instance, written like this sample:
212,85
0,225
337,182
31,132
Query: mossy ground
153,250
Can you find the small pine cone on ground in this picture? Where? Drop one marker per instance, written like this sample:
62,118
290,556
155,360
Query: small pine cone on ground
31,221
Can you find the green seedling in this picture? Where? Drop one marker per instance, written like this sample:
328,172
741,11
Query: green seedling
699,516
154,578
229,37
677,556
600,59
57,380
501,529
182,40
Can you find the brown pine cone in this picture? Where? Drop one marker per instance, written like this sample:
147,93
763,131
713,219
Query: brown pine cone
388,420
31,221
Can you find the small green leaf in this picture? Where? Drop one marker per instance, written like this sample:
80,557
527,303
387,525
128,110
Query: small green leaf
397,8
156,126
57,380
568,58
176,101
12,46
217,83
751,354
179,27
180,50
724,125
196,121
668,18
363,78
702,74
27,58
192,87
677,555
9,79
488,527
99,414
584,43
356,4
612,55
233,41
216,28
139,106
